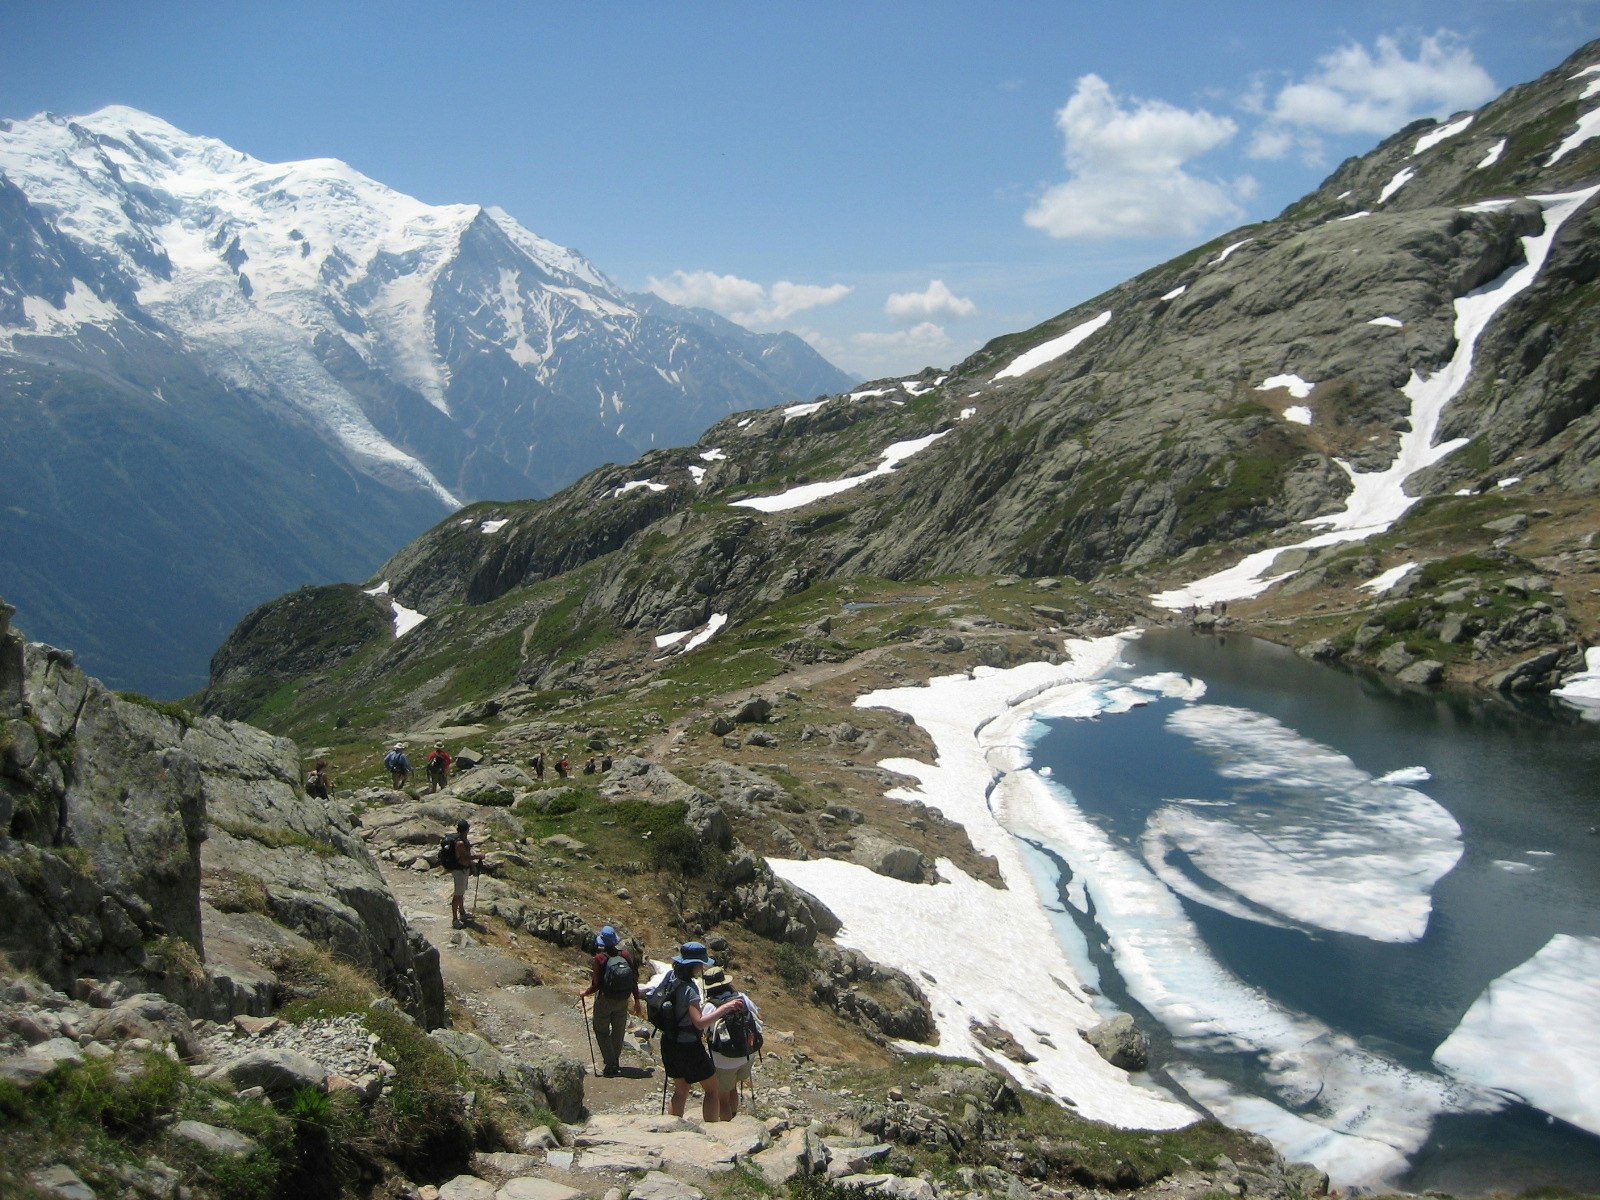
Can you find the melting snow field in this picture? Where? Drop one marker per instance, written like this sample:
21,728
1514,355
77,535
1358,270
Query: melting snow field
1054,348
1583,689
1037,999
1547,1006
1297,414
1309,840
1378,498
1296,387
665,641
807,493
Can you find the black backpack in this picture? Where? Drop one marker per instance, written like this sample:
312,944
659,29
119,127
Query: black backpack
661,1004
447,852
617,977
737,1035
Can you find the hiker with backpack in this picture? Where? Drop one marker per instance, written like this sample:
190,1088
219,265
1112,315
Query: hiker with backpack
439,762
613,982
734,1040
460,859
675,1008
398,765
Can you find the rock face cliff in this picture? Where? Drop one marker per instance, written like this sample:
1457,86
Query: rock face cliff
141,841
1204,408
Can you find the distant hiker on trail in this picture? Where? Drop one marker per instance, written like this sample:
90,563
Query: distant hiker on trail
439,763
683,1054
605,763
589,767
537,763
466,860
318,785
398,765
734,1040
564,766
613,982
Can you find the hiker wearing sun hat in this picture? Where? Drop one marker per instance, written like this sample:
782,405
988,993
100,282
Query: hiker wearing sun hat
398,764
734,1040
684,1058
613,982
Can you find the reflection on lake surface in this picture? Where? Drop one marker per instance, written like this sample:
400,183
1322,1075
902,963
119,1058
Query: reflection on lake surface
1362,922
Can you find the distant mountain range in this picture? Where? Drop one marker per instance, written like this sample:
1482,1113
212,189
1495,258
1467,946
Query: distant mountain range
221,378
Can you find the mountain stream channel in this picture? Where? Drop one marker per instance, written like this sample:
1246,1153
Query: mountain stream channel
1377,937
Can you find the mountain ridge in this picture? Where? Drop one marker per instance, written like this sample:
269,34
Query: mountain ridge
419,355
1200,410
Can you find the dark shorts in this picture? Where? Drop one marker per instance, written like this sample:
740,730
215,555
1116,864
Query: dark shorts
686,1060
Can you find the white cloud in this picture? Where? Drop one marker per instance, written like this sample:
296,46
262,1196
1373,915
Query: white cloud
1127,169
934,299
926,336
743,300
1356,90
1272,141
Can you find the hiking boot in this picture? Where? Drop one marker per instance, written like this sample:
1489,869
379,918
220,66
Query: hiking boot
611,1072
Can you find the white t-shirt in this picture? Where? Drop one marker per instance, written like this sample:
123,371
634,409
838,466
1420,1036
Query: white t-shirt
721,1061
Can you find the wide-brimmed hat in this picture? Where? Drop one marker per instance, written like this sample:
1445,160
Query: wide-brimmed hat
399,745
716,979
694,954
608,937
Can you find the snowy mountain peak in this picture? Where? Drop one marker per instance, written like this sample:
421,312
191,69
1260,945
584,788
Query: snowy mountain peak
431,354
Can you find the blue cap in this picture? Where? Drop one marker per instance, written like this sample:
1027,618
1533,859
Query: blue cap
608,936
693,953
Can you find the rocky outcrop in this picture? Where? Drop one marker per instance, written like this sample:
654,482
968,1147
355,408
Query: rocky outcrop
119,811
884,1001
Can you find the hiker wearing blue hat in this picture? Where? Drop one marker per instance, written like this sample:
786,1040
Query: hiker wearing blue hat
684,1058
613,982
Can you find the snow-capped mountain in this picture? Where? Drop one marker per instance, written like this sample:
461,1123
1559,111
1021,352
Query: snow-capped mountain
391,359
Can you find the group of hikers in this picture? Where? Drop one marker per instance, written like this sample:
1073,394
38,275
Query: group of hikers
563,765
440,763
710,1033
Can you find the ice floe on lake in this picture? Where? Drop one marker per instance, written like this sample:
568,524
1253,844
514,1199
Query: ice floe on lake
808,493
1308,835
1546,1007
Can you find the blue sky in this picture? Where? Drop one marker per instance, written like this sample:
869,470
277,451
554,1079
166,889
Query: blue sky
896,182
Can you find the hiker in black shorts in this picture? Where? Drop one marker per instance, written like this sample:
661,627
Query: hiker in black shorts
683,1054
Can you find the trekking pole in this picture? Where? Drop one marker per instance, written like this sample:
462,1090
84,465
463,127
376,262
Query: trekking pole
663,1089
478,871
584,1004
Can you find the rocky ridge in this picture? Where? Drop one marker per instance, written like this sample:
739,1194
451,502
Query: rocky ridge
1152,453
